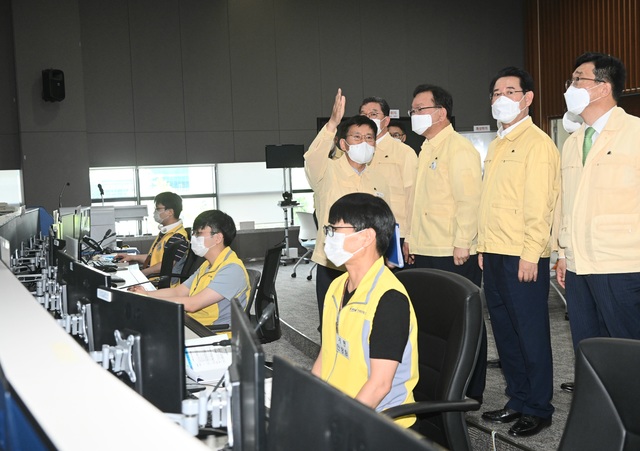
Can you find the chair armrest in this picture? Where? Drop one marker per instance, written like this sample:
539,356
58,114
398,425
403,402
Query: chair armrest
466,405
218,327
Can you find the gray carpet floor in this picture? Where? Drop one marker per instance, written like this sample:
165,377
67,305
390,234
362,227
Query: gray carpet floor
298,310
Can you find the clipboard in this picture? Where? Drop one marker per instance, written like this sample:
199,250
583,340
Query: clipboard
394,251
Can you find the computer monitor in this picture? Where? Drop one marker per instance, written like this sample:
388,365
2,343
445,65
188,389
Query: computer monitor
158,328
307,413
247,372
82,281
284,156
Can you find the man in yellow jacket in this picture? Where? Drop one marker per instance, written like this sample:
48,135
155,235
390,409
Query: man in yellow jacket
331,178
369,330
520,189
599,234
444,227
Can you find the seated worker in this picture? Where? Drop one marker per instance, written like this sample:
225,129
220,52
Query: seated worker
167,215
207,294
369,331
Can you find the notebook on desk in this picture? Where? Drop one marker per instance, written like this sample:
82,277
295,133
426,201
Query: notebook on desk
206,364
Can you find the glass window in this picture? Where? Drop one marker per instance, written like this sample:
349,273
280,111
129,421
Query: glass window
117,183
251,192
245,191
183,180
11,187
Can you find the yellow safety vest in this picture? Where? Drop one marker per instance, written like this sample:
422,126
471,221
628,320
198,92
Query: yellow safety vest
157,248
345,339
206,273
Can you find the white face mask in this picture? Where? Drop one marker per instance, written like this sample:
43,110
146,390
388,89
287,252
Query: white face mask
334,248
505,110
198,247
377,121
361,153
420,123
157,217
571,122
577,99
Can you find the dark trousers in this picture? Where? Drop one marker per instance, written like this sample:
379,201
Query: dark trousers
603,305
324,277
520,320
471,271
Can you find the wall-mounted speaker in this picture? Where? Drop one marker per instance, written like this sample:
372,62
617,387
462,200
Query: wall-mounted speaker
52,85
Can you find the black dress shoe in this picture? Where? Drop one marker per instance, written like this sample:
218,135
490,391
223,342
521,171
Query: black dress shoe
529,425
567,386
505,415
494,363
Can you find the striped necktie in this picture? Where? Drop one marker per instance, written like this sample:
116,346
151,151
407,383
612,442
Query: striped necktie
588,142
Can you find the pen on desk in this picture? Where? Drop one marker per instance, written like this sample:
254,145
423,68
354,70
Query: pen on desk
134,284
161,278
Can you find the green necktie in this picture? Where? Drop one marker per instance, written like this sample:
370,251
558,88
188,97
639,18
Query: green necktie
588,142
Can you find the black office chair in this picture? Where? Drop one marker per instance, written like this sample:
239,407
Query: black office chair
448,309
266,294
605,410
180,271
254,279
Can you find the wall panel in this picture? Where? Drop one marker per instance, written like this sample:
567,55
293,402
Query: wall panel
559,31
156,66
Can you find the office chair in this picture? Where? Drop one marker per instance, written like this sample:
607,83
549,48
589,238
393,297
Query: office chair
307,237
605,408
448,309
254,278
266,294
181,271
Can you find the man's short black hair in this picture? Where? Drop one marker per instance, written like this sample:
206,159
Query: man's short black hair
607,68
399,124
345,125
441,97
526,80
384,106
364,211
170,200
219,222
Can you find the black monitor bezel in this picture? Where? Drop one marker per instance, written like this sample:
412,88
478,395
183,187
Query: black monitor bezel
279,156
160,326
247,365
308,413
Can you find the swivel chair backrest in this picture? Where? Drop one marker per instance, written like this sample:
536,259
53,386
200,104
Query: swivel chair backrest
266,294
605,409
448,309
308,228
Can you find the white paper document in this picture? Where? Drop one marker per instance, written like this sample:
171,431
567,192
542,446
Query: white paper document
206,364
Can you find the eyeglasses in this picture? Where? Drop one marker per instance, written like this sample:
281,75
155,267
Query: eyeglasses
368,138
420,109
508,93
397,135
161,209
329,230
575,80
199,234
375,114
